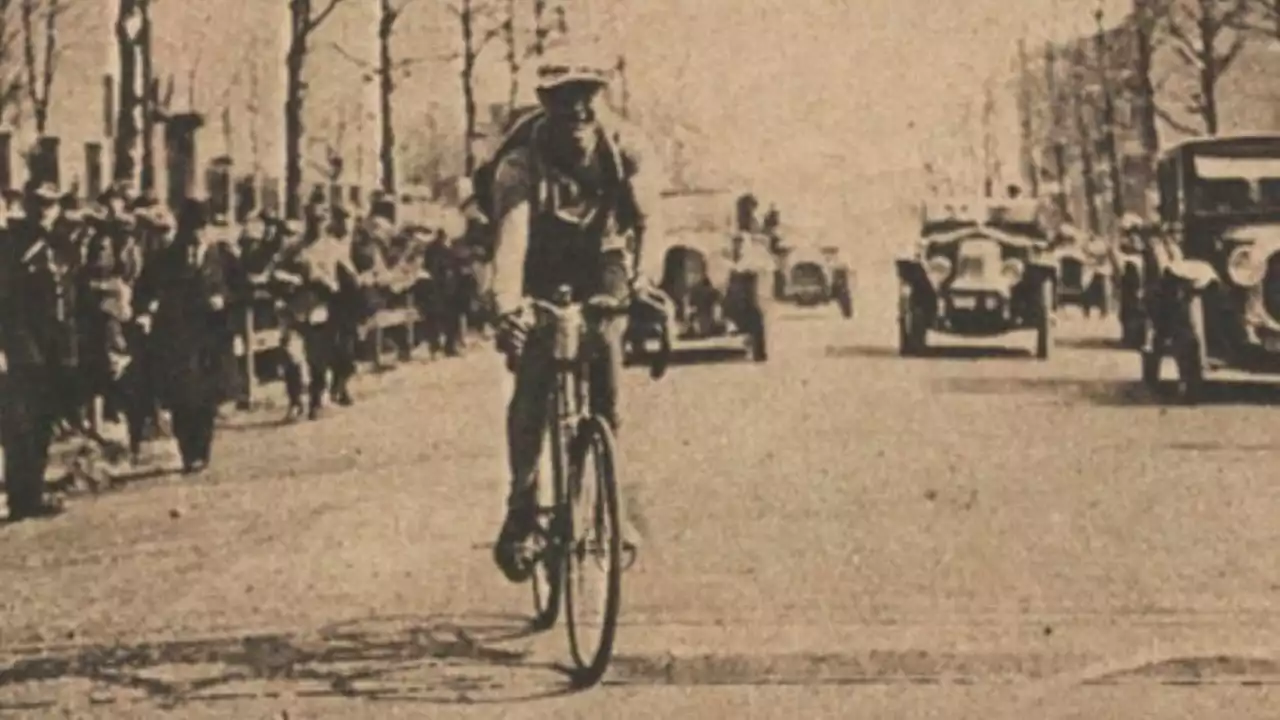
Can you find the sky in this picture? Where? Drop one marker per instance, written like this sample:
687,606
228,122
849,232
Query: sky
801,93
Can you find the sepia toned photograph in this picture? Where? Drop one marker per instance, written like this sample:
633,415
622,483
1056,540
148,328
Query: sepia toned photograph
665,359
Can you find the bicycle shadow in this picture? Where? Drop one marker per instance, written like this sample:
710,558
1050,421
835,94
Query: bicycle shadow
1110,393
435,660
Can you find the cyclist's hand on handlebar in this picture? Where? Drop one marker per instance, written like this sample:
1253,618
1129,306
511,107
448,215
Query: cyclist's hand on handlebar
513,329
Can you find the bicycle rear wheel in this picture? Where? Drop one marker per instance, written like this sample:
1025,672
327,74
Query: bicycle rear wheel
595,548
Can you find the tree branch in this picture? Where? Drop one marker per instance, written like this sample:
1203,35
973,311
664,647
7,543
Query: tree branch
318,19
1186,48
1174,123
1225,60
489,36
358,62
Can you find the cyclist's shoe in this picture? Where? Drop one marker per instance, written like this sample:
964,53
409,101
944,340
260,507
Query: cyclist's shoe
512,552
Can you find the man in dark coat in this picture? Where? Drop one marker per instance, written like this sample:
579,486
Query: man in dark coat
182,299
443,327
39,265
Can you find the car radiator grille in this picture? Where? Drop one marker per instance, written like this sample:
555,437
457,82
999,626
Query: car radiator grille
1072,273
807,275
1271,287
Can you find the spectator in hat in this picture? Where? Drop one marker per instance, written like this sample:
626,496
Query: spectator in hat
182,298
38,270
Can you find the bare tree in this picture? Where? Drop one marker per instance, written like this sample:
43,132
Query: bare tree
544,36
304,19
1207,37
11,85
476,19
1148,15
386,72
133,83
40,53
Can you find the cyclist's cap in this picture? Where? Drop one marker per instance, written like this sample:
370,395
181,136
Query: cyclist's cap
576,65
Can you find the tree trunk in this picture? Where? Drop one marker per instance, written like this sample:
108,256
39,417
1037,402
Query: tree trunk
129,108
1209,34
1087,168
540,29
1209,98
150,96
1026,125
293,128
386,86
513,58
468,87
1149,127
1055,128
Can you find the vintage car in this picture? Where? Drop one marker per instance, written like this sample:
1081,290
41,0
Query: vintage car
1212,272
1084,271
714,278
981,268
814,275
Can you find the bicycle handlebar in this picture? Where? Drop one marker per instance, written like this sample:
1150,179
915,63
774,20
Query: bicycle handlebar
601,306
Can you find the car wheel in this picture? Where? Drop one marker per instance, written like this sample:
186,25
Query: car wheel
1045,321
845,299
911,328
1102,297
1151,360
1191,353
759,347
1131,333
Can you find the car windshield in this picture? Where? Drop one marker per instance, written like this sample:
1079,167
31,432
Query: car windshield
946,214
1229,185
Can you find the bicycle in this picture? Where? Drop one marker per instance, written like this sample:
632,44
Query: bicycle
563,538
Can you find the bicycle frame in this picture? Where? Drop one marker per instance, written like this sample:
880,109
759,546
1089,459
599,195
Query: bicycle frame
574,338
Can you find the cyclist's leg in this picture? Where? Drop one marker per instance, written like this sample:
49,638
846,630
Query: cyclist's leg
526,424
606,372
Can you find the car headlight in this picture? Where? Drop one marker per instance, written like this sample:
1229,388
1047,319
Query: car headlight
1244,268
939,269
1013,269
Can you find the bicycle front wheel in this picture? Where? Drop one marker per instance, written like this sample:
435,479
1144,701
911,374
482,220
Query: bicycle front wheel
548,569
593,582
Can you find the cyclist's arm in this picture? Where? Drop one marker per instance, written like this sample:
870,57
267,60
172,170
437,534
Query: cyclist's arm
647,180
512,190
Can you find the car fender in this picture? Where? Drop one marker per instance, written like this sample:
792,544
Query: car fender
1039,271
1195,274
912,272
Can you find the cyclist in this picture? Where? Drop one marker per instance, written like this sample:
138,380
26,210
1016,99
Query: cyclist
571,205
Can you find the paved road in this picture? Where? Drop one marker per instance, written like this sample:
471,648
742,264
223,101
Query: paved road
1035,537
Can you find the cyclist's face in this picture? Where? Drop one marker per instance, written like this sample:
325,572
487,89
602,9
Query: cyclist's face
571,109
